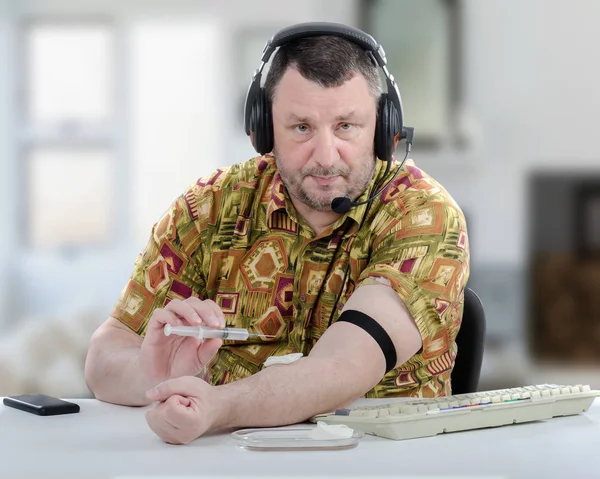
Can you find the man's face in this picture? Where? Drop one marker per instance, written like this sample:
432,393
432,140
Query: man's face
323,138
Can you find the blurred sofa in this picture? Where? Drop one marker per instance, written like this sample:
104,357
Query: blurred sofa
47,355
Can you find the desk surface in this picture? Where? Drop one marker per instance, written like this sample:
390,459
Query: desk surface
108,441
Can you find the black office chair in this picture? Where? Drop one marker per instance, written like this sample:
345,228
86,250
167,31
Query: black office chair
470,341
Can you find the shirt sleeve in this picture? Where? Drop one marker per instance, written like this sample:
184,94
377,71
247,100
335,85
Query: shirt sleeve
424,255
169,267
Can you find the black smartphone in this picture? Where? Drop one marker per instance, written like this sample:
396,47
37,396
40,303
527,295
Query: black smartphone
41,404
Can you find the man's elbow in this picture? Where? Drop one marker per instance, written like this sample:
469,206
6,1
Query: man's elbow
95,370
103,348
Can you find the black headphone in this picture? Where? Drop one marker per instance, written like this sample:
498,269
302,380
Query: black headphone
258,122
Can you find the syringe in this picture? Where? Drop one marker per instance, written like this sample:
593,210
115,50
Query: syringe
204,332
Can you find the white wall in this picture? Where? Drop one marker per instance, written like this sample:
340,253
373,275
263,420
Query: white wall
531,92
6,168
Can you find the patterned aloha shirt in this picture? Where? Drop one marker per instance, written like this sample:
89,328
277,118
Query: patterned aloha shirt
235,237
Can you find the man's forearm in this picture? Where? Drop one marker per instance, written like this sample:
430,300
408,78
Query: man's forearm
115,377
293,393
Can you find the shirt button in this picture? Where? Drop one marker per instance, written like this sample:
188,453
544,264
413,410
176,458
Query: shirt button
303,298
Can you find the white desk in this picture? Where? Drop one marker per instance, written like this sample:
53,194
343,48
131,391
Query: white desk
107,441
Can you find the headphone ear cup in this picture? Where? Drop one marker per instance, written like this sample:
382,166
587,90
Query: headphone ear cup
268,126
386,129
381,128
255,128
262,137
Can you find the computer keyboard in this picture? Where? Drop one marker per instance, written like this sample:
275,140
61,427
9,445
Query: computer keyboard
416,418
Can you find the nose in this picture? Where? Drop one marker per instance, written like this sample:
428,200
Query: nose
325,152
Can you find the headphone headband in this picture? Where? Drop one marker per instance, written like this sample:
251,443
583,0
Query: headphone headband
315,29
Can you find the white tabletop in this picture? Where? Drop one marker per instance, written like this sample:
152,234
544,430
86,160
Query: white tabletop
108,441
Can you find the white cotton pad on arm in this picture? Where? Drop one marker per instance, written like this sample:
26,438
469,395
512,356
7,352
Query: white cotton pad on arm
286,359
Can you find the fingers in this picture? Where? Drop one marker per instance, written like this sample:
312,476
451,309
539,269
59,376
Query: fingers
193,311
160,317
172,314
177,413
160,429
174,420
208,310
184,386
184,310
196,311
208,349
164,430
187,408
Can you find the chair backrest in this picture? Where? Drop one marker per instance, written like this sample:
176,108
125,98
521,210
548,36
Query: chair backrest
470,341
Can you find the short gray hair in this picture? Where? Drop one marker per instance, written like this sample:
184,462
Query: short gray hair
328,61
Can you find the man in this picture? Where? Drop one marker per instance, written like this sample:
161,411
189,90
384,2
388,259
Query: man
372,297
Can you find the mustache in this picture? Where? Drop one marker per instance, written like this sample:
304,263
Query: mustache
320,171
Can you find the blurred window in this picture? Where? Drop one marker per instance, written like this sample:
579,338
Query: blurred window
68,132
422,46
68,196
69,72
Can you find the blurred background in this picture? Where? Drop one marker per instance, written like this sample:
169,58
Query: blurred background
109,109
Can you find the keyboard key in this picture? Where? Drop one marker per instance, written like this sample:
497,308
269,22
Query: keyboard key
363,413
394,410
406,409
342,412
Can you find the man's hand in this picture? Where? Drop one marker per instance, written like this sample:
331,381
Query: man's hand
166,357
187,408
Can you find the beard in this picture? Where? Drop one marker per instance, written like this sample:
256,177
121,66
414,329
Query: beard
319,197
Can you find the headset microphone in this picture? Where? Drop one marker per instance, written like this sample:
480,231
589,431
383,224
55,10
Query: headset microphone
342,205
